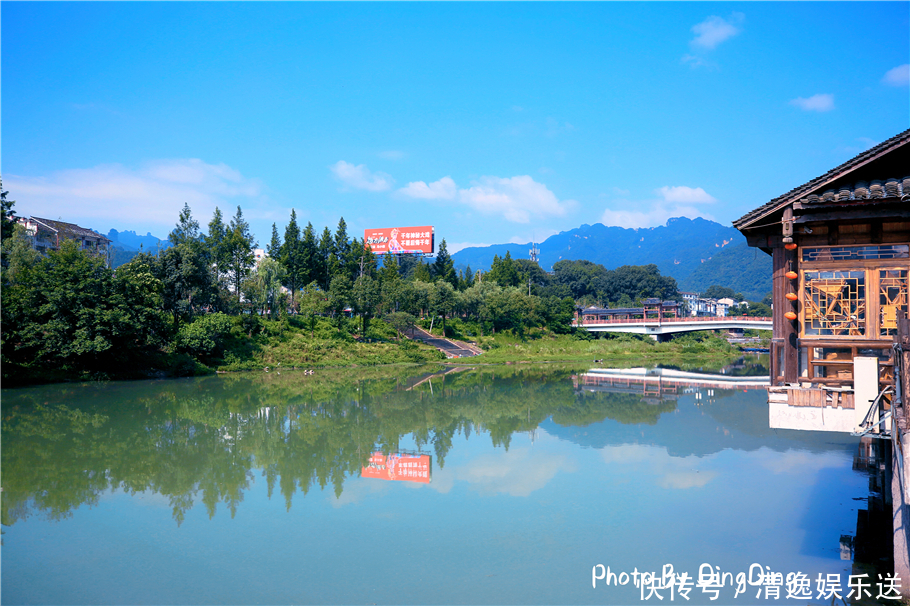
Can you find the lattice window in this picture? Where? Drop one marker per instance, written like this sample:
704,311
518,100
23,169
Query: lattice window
892,293
856,253
835,303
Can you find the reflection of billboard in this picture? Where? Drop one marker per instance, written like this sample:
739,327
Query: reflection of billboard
399,240
398,466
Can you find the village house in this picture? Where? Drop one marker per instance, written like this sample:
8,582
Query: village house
46,235
840,246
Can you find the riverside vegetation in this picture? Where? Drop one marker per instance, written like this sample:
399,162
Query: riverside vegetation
204,304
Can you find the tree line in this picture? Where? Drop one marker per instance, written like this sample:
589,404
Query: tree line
68,310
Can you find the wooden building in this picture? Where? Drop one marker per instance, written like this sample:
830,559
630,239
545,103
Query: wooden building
840,246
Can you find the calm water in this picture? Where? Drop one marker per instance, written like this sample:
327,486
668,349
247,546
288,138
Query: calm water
248,489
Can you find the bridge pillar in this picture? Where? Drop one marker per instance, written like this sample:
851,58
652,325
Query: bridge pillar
662,338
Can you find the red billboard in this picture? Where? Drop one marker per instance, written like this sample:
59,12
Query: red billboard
399,467
399,240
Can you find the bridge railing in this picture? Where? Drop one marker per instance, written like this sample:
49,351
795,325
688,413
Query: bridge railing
731,319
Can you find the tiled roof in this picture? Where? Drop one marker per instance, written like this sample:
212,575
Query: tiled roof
803,190
70,228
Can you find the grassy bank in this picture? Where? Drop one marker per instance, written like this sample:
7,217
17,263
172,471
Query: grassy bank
254,343
292,342
544,346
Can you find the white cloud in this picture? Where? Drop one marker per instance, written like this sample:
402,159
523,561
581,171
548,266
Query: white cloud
714,30
675,201
444,189
515,198
898,76
647,461
815,103
688,195
360,177
518,472
656,215
152,195
392,154
708,35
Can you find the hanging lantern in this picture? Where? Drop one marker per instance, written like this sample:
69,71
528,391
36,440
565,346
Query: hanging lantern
792,275
790,246
791,296
790,315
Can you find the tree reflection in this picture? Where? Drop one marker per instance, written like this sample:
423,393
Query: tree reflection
204,440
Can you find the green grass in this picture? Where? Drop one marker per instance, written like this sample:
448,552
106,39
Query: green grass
291,342
546,347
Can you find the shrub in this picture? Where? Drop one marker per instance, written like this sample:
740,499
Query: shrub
205,336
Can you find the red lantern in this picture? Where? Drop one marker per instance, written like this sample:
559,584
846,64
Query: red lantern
790,246
791,296
790,315
792,275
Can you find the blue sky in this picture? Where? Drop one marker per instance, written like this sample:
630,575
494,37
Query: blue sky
495,122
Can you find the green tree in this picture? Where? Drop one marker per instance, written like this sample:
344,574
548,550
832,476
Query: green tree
422,272
205,337
269,275
7,219
401,321
339,297
292,258
70,313
216,244
19,256
365,298
187,229
467,278
313,303
504,271
443,301
274,247
443,267
187,281
240,245
309,248
342,250
326,251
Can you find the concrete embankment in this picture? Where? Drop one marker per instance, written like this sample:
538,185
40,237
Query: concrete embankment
451,348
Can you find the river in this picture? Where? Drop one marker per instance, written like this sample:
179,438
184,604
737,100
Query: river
491,485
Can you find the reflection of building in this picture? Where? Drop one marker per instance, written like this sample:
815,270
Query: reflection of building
840,246
657,384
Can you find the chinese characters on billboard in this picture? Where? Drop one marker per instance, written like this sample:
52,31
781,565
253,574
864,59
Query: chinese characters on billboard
399,240
399,467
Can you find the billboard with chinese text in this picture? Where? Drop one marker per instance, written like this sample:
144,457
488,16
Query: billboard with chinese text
400,467
400,240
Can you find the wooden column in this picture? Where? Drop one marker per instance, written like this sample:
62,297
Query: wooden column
786,332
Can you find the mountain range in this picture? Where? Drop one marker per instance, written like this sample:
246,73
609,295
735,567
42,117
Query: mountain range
126,244
696,252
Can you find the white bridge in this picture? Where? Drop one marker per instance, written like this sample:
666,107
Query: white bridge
669,326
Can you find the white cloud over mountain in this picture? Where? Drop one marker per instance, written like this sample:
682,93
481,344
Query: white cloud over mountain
150,195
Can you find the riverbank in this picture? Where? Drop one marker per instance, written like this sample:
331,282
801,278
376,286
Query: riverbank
297,343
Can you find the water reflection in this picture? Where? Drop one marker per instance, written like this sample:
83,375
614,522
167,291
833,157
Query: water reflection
520,461
203,440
